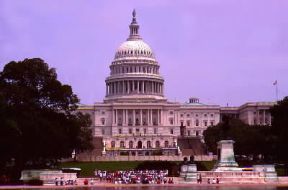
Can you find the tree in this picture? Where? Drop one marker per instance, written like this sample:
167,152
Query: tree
249,140
279,114
39,119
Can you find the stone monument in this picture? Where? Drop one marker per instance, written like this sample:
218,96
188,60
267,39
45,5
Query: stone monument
189,170
226,158
267,171
104,148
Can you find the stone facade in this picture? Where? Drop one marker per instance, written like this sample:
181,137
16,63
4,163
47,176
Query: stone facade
135,118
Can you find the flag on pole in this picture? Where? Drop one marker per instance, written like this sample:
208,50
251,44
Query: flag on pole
275,83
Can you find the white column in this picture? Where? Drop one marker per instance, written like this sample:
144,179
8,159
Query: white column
141,117
143,83
123,117
126,116
138,91
128,85
116,111
133,121
151,120
158,117
123,87
133,85
148,117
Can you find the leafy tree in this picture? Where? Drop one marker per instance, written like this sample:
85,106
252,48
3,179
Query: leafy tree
38,114
280,129
249,140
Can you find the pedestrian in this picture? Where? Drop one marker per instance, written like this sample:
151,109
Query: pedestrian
56,181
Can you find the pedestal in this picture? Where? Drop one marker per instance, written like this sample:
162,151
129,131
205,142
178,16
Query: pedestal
226,158
189,173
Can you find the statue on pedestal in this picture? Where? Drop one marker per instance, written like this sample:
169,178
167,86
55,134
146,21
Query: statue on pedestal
189,170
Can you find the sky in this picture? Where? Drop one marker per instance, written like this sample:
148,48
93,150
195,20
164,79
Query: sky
225,52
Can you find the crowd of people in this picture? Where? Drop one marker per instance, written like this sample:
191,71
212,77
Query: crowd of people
135,177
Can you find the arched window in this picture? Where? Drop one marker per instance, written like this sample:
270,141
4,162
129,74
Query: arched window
122,144
157,144
197,122
139,145
166,144
148,144
130,144
112,144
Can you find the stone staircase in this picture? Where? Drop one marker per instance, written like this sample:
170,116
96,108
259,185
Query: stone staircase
191,146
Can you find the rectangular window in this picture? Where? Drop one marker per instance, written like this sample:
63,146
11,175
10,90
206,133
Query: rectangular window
130,131
145,131
188,123
171,121
120,131
171,131
205,123
212,123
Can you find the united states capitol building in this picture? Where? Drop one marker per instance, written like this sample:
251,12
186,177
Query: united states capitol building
135,117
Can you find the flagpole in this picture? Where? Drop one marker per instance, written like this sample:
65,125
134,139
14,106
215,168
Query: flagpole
277,91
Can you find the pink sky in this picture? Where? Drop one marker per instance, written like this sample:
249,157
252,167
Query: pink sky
221,51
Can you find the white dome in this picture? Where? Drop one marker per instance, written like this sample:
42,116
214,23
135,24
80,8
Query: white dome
134,48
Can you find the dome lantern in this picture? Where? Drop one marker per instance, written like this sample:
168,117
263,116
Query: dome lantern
134,28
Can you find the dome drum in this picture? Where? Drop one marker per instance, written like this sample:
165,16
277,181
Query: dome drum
131,87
